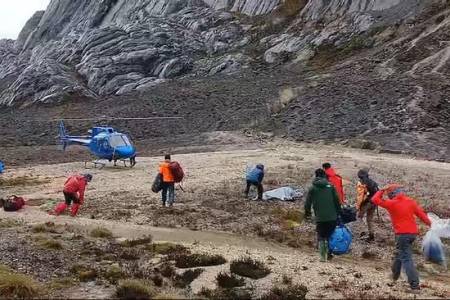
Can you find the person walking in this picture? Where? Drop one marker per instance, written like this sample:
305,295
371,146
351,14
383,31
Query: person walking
168,182
365,190
74,189
402,210
324,199
255,178
335,180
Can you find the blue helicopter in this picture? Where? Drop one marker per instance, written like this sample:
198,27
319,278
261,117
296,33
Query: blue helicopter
103,142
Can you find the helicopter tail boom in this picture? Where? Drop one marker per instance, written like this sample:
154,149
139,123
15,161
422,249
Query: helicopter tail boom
66,140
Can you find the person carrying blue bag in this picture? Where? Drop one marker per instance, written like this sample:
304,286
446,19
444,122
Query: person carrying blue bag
324,200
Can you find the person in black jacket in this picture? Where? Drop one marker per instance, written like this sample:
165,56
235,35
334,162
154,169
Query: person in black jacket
366,189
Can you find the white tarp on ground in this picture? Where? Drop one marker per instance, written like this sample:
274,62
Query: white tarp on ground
440,226
286,193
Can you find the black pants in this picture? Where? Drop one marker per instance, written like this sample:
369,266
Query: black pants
325,230
258,185
71,197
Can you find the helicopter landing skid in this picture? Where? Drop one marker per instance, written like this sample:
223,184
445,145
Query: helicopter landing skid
125,163
95,163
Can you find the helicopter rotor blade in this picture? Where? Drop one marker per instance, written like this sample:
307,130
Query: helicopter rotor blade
110,119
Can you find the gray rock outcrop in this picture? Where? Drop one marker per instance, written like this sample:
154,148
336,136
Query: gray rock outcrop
89,48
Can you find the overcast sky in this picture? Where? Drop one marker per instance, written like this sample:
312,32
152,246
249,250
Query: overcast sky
15,13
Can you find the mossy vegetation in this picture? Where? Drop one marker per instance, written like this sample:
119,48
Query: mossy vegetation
187,277
288,292
135,289
248,267
101,232
198,260
18,286
51,244
228,281
136,242
22,181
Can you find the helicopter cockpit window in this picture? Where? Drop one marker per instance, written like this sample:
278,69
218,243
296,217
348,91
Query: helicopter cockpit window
127,141
117,141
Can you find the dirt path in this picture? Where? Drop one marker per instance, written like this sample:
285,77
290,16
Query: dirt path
344,277
32,216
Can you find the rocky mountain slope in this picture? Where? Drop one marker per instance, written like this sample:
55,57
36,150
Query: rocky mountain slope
333,70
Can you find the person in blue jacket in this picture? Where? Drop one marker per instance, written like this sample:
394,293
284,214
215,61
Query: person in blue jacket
255,177
2,167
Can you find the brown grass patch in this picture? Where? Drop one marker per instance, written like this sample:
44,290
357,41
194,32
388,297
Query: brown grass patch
229,281
248,267
198,260
18,286
22,181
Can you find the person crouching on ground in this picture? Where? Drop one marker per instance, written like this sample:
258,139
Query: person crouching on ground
73,191
402,211
335,180
168,182
322,196
255,178
365,190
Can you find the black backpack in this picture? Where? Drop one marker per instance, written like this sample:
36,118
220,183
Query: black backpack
157,183
348,214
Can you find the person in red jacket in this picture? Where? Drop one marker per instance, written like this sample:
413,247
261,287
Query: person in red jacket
73,191
403,212
335,180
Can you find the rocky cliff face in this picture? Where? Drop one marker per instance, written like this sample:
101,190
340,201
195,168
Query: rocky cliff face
112,47
395,51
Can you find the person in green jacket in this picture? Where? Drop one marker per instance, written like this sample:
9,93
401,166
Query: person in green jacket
324,199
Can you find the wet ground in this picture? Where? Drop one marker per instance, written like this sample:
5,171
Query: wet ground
212,215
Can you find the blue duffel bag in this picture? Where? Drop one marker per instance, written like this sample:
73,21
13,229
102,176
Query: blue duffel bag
341,240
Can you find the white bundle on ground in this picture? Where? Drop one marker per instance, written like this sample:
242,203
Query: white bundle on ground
432,247
286,193
440,226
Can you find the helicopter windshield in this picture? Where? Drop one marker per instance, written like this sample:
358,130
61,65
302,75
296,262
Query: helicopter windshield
118,141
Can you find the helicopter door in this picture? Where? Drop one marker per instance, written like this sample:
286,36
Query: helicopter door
103,145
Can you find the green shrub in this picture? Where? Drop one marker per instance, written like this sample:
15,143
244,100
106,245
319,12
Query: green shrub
290,292
228,281
51,244
219,294
187,277
136,242
134,289
113,274
102,233
248,267
169,249
167,270
198,260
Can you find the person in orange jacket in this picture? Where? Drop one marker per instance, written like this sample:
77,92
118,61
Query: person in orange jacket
168,182
73,191
402,210
335,180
